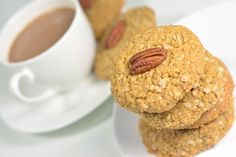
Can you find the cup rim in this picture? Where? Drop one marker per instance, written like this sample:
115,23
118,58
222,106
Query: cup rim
46,52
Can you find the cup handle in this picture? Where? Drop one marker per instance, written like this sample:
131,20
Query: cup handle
14,85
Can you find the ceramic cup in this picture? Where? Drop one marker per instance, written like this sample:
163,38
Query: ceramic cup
61,67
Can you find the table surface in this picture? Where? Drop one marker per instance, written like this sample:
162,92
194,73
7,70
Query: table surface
93,135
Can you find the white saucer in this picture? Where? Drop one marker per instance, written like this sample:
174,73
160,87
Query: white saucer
55,113
216,27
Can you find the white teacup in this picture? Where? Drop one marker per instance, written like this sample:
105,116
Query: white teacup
59,68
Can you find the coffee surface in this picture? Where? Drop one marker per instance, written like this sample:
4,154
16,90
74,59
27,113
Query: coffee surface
41,33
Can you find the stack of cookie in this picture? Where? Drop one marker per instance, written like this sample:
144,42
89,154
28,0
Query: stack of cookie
182,93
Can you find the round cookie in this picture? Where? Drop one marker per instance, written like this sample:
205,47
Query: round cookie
127,25
164,78
202,104
101,13
186,143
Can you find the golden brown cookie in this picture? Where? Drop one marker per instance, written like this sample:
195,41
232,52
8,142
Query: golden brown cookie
202,104
187,142
101,13
156,69
125,27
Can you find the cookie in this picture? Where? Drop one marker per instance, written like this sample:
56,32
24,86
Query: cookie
127,25
202,104
188,142
157,68
101,13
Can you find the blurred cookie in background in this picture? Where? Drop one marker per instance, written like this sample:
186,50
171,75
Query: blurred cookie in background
101,13
122,30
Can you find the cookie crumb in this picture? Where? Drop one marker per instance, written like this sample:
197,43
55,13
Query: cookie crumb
162,83
207,90
184,78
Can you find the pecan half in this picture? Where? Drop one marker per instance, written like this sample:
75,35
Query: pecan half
146,60
86,4
115,35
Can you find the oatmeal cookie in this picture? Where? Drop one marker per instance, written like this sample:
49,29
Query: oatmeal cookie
126,26
157,68
101,13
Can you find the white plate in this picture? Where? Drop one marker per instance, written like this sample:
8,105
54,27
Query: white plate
216,27
55,113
